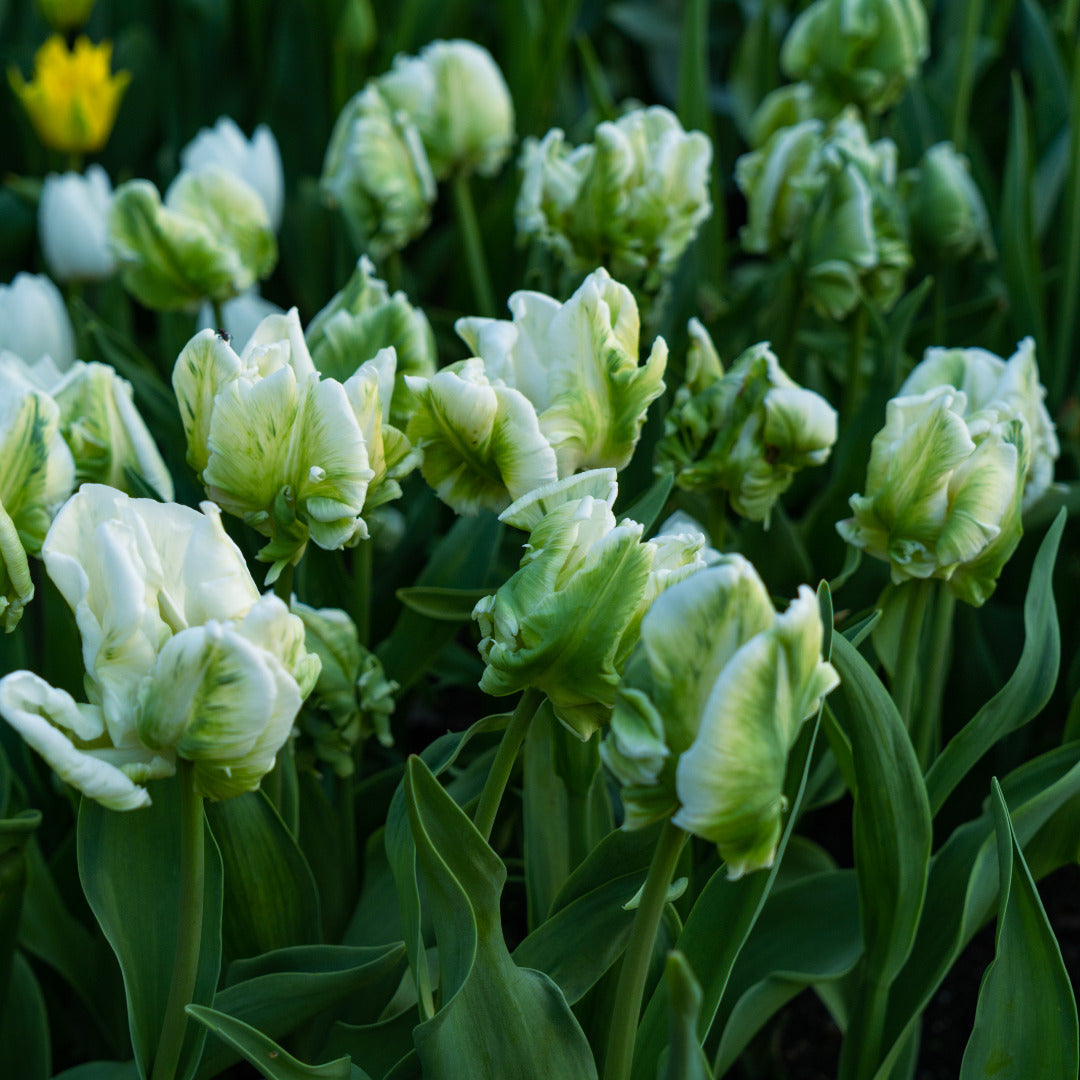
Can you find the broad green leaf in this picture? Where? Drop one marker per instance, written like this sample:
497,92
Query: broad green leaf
685,1057
962,887
1025,1022
1049,79
24,1028
442,604
273,1062
401,852
1020,262
565,805
281,992
380,1047
527,1028
892,838
462,559
101,1070
270,897
15,834
808,934
1029,687
129,865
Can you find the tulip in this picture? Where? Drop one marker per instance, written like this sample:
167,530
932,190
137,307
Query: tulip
210,240
1011,386
256,161
363,318
455,94
860,51
377,173
73,99
183,657
567,620
709,707
631,201
72,218
241,316
746,432
34,321
943,492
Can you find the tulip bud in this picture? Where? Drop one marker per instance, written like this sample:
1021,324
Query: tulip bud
65,14
34,321
948,215
943,492
860,51
352,699
183,657
1010,386
256,161
577,363
631,201
377,173
210,240
455,94
363,318
72,217
710,705
746,432
788,106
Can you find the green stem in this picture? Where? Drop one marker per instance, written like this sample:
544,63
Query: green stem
185,966
635,965
1066,322
940,305
361,583
474,245
907,667
503,765
926,726
219,315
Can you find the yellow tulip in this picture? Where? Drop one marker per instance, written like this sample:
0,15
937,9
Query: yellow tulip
73,98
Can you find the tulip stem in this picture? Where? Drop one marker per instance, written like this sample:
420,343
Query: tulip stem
907,663
474,245
361,570
635,965
853,391
503,765
284,583
189,931
926,723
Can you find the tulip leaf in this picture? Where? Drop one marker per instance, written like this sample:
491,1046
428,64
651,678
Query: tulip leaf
808,933
962,887
527,1028
1025,1022
24,1027
462,559
271,900
1029,687
273,1062
443,605
565,806
892,838
129,865
734,905
685,1057
15,834
650,504
282,991
101,1070
380,1048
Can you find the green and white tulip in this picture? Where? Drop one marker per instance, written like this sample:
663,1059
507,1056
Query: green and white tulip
211,239
37,473
455,94
295,456
860,51
363,318
1011,387
632,200
567,620
943,492
376,172
747,431
183,657
709,707
577,363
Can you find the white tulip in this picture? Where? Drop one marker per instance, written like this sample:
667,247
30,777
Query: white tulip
72,217
34,321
